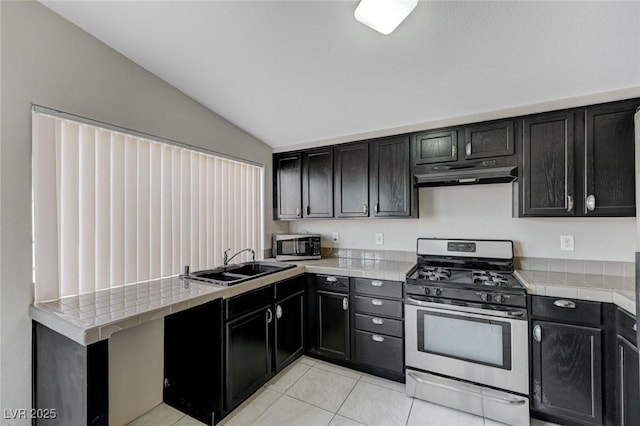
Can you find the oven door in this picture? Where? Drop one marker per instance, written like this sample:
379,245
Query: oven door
484,346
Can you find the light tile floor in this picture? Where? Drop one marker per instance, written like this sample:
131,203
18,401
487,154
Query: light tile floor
311,392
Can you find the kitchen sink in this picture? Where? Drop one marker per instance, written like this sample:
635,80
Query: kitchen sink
234,274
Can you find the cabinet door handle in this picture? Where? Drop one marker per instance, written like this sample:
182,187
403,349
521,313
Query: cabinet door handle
278,312
332,279
377,302
376,283
377,207
569,304
634,327
269,315
345,304
468,149
454,150
591,202
298,211
365,209
569,203
537,333
377,338
377,321
308,210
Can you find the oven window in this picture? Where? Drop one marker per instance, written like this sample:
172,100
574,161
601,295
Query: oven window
481,341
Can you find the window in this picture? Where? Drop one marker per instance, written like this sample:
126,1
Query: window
112,208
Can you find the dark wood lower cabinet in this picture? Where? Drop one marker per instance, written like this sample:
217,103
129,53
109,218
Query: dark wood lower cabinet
193,360
628,383
70,378
333,324
567,371
248,355
289,338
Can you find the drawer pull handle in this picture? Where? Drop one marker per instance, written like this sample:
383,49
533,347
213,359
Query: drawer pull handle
537,333
377,338
376,283
635,327
278,312
332,279
377,302
377,321
345,304
569,304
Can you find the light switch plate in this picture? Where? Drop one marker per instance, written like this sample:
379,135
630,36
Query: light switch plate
567,243
379,238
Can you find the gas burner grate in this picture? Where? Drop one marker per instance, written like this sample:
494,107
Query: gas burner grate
434,274
489,278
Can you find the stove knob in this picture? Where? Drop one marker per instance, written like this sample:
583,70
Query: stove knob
427,290
498,298
437,291
485,297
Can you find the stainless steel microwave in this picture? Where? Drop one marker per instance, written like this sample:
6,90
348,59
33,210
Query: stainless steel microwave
296,246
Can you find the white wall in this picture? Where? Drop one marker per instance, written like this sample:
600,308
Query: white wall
48,61
484,211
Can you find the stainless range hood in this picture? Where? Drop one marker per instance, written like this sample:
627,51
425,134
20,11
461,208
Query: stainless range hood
468,174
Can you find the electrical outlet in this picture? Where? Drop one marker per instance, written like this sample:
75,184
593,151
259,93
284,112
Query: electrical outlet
335,237
567,243
379,238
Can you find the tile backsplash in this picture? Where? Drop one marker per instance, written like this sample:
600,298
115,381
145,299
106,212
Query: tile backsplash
388,255
590,273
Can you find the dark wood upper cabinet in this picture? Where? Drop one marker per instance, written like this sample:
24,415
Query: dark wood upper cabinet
609,189
317,183
439,146
288,192
390,177
489,140
352,180
547,167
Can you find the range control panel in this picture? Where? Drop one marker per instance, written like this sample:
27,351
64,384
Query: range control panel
461,246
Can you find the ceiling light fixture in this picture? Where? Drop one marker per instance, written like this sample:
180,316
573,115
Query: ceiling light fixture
384,16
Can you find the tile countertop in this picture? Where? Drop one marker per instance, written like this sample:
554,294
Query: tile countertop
92,317
575,286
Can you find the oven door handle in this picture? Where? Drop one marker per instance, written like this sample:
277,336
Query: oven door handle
505,313
417,378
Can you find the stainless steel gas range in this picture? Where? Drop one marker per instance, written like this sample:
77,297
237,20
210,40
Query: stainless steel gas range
466,329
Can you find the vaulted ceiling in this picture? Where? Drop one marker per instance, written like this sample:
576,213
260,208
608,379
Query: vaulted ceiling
293,72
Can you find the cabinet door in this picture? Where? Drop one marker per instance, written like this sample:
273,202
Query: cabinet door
352,180
628,384
390,177
333,324
289,338
193,361
488,140
567,371
610,161
248,355
547,180
439,146
288,191
317,183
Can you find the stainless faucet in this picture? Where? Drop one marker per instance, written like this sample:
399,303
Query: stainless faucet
226,259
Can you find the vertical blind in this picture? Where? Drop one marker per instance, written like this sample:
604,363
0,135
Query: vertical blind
112,209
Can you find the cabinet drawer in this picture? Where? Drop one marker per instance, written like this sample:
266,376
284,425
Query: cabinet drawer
247,302
562,309
379,351
332,283
379,325
625,326
375,306
286,288
378,287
